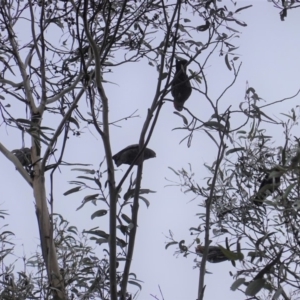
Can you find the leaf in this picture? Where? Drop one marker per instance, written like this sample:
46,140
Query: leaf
145,191
234,150
211,137
88,171
237,284
255,286
231,255
126,218
288,190
182,116
86,199
169,244
57,22
46,128
99,213
85,177
174,171
72,120
231,29
90,197
73,190
240,23
145,200
214,125
100,233
250,89
135,283
245,7
227,62
182,247
24,121
262,239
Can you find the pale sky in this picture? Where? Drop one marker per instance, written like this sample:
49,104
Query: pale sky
269,50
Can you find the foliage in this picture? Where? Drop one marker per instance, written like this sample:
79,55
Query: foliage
267,234
59,74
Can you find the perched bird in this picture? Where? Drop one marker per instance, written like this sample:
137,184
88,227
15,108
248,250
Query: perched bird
268,186
181,86
215,254
128,154
23,155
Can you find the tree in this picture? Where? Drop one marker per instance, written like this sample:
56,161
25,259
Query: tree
269,231
284,7
58,79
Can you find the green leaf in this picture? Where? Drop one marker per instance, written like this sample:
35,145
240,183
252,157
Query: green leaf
227,62
85,177
145,200
288,190
255,286
245,7
231,255
100,233
135,283
237,284
185,121
173,171
73,190
169,244
234,150
126,218
240,23
90,197
72,120
182,247
214,125
208,133
99,213
88,171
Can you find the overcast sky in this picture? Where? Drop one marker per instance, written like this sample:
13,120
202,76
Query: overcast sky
269,50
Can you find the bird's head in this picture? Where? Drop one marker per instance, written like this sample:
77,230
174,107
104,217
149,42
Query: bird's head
181,64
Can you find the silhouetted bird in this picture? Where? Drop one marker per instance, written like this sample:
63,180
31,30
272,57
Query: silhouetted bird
23,155
215,254
268,186
128,154
181,86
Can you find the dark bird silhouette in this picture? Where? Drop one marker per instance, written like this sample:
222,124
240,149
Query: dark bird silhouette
215,254
181,86
128,154
268,186
23,155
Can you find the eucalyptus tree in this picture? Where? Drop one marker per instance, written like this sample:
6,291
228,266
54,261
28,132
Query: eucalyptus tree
57,72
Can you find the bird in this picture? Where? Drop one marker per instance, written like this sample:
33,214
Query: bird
23,155
214,255
128,154
181,87
268,186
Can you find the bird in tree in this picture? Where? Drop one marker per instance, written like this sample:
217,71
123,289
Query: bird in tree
268,185
181,87
128,155
214,255
23,155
